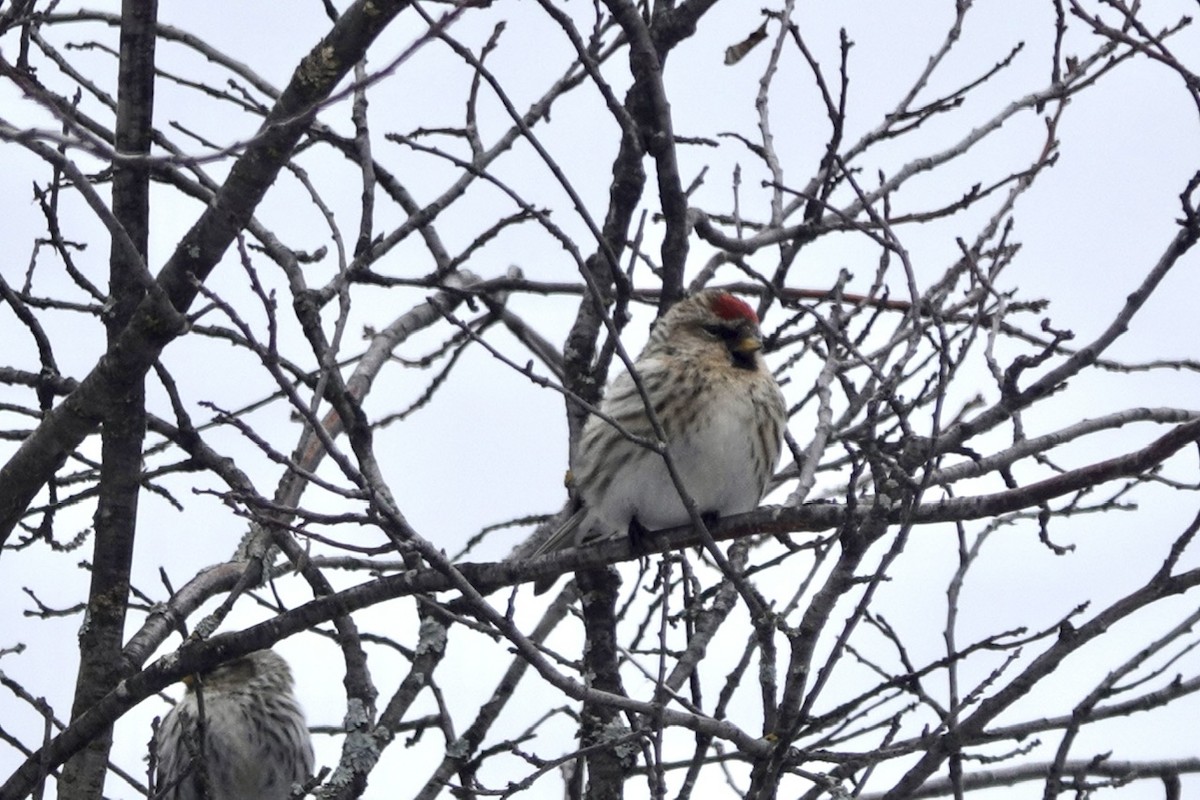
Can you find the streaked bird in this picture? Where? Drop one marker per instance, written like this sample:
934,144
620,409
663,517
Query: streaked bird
256,744
722,413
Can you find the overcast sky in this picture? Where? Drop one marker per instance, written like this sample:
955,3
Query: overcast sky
493,447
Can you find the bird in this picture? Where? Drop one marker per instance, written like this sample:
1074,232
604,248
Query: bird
256,743
722,413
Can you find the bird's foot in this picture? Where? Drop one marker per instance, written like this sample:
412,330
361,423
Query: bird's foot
639,542
639,537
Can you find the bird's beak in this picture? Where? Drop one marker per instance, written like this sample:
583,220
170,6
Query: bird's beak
747,345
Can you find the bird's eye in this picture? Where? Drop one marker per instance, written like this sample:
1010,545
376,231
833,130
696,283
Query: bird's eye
720,331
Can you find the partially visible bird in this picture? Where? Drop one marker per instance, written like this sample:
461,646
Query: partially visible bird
256,743
720,408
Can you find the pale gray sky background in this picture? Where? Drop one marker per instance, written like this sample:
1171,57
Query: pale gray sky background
493,447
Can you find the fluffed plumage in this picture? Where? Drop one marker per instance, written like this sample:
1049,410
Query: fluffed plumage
720,408
256,745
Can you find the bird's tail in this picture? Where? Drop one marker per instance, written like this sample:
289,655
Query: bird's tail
566,535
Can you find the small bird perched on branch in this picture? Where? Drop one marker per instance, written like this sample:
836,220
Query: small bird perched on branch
722,413
255,745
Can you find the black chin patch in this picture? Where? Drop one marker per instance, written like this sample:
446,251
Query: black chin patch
742,360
